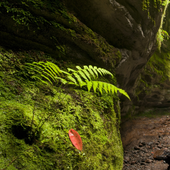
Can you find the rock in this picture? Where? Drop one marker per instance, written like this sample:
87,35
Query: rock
126,26
148,160
140,145
136,148
126,159
159,146
161,154
142,163
133,162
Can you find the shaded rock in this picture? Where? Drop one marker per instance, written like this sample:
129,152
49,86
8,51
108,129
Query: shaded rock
162,154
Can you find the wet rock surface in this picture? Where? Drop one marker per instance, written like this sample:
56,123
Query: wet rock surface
146,144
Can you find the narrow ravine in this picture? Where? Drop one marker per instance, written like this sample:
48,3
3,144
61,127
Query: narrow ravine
146,143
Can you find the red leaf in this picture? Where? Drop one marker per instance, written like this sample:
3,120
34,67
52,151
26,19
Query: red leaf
75,139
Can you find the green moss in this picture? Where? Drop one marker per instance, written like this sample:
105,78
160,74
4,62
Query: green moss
53,28
155,72
36,118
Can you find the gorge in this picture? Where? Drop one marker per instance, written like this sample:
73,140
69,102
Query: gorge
128,38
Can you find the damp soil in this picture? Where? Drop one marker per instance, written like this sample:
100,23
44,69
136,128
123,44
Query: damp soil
146,143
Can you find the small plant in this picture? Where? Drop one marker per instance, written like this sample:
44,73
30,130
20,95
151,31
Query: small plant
161,36
87,76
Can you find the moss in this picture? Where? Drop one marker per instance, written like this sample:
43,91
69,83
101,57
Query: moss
52,28
35,120
155,72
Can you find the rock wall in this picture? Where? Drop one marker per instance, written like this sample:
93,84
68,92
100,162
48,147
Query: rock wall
117,35
125,24
153,89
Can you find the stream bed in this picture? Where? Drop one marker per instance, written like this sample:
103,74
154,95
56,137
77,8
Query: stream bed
146,143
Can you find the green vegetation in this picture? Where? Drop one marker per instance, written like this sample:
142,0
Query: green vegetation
153,113
154,74
160,6
35,119
80,77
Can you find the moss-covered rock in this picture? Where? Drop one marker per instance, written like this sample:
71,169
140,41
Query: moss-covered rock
35,119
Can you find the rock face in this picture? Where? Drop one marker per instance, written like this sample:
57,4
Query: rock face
125,25
152,90
119,35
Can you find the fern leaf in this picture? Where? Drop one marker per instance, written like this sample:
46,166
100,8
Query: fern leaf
114,89
124,93
65,72
105,87
71,70
90,70
100,87
87,74
78,79
36,77
94,69
54,68
105,72
69,77
95,85
45,77
78,67
82,74
42,69
109,87
63,81
48,69
85,67
89,85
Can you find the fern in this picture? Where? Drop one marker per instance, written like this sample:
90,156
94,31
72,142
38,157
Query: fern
85,76
46,70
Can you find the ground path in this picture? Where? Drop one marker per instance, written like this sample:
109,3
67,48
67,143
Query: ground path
146,142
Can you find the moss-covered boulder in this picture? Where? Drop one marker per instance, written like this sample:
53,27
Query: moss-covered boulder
35,120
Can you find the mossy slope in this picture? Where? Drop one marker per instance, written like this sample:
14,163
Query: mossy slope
35,120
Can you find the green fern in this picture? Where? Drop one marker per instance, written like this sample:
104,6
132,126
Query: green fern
86,76
107,87
48,70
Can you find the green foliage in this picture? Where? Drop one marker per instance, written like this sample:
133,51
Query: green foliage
162,34
155,73
81,77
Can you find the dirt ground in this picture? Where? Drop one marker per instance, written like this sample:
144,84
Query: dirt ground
146,143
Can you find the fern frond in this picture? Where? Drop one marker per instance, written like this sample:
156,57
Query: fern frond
94,69
100,87
80,77
124,93
82,74
47,70
105,72
87,74
63,81
71,70
80,81
54,68
107,87
95,85
78,67
89,85
73,80
36,77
